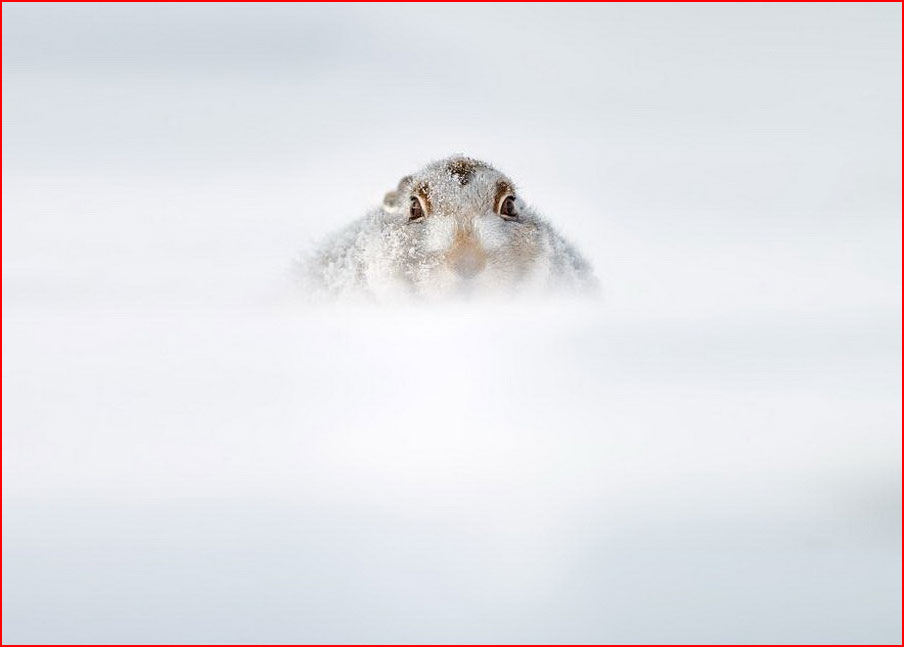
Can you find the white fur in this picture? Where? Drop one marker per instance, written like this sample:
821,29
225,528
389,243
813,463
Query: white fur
385,255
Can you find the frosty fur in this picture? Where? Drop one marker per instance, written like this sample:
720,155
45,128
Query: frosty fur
461,246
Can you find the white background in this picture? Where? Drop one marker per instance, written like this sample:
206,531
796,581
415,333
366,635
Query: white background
709,452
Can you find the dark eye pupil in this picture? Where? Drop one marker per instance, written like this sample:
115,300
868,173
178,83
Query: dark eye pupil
416,211
508,206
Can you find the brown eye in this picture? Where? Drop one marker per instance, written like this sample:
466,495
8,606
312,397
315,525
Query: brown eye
507,208
416,211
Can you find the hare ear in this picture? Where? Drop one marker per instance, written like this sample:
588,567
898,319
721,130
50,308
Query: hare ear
391,201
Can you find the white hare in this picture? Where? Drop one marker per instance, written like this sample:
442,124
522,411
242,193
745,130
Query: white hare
457,227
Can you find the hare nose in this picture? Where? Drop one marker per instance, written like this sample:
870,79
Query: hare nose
467,259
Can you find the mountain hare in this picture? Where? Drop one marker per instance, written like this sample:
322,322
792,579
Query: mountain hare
457,227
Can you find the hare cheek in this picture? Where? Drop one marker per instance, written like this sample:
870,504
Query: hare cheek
439,236
491,232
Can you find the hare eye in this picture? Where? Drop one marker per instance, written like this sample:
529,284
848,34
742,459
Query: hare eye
415,211
507,208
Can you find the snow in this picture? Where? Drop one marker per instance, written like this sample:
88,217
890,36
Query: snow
707,452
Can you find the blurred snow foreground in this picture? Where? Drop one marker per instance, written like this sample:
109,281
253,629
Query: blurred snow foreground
459,473
467,472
